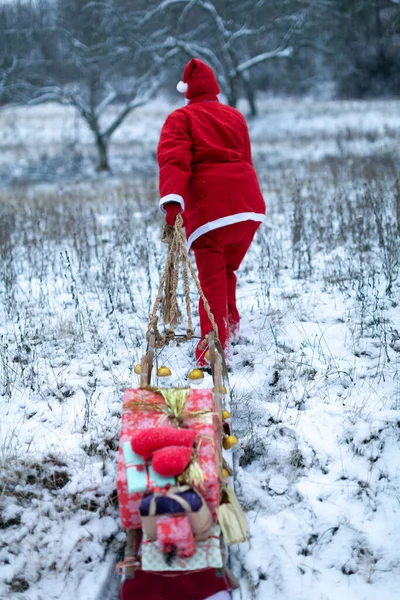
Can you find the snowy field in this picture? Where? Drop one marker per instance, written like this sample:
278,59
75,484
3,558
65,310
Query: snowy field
314,386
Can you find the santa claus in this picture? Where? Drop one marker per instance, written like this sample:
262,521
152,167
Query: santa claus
206,172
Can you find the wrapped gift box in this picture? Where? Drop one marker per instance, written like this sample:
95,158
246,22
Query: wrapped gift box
207,554
175,532
140,476
144,408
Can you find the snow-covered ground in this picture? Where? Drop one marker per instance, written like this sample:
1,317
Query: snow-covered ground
50,142
314,385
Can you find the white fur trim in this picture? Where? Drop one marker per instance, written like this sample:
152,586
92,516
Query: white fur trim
171,198
182,87
238,218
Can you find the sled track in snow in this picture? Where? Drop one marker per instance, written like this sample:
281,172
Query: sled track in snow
109,589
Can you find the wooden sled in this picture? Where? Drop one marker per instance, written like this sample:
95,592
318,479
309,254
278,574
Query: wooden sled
134,536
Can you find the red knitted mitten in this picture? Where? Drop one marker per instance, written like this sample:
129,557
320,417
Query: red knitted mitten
146,441
172,209
171,461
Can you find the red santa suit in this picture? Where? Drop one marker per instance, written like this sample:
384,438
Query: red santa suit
205,166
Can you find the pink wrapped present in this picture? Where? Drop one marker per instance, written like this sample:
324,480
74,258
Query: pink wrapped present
207,554
175,534
144,408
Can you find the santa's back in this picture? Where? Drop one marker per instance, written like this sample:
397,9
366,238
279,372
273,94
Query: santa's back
218,132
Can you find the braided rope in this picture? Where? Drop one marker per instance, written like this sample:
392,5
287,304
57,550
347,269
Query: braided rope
177,254
174,285
186,292
178,224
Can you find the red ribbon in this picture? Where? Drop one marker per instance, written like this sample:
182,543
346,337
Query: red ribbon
164,490
148,480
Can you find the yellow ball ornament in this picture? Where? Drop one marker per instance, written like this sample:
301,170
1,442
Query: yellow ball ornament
225,473
207,356
223,390
226,414
229,442
137,369
163,372
196,375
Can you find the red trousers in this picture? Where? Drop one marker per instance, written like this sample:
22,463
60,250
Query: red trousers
218,255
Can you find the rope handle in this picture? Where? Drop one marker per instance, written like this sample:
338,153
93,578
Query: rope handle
177,254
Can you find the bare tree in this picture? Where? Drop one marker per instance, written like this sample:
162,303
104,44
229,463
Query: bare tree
93,101
369,47
106,57
223,42
90,72
7,69
17,48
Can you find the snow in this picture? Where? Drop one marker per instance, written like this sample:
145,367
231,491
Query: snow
314,387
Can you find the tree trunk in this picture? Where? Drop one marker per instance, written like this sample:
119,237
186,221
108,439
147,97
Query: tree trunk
232,92
102,149
250,94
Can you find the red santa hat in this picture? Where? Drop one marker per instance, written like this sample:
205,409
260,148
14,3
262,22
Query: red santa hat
198,79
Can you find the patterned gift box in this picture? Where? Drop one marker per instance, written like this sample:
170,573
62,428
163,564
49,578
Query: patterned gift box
207,554
141,476
145,408
175,532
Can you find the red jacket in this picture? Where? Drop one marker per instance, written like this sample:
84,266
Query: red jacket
205,164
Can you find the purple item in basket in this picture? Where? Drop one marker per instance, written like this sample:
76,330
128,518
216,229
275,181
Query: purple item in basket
166,505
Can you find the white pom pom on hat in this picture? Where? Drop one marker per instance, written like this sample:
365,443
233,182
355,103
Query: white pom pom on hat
182,87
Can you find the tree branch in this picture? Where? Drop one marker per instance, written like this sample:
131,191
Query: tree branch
139,100
251,62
